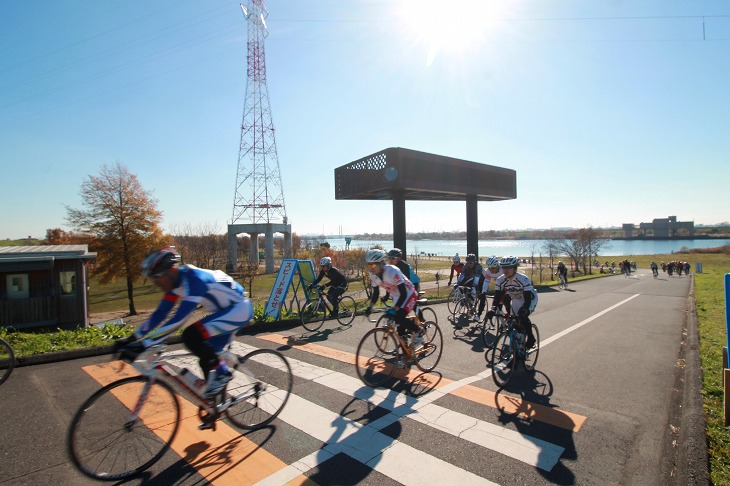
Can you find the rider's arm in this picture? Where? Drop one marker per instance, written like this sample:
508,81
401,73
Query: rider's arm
158,333
374,298
403,291
319,277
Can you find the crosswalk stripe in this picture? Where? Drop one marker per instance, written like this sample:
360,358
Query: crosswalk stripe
523,408
530,450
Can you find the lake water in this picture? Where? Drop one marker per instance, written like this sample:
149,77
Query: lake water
525,248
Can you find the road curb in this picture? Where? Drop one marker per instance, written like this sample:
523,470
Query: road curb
692,459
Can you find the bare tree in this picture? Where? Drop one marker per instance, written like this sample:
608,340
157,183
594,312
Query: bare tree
201,245
122,220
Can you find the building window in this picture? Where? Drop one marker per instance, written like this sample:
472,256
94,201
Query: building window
68,283
18,286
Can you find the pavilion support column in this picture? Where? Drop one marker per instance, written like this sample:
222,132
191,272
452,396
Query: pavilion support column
399,222
472,225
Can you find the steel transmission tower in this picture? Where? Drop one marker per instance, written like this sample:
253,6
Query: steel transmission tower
259,196
258,202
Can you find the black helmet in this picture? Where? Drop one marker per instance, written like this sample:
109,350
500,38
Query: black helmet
159,261
471,257
395,252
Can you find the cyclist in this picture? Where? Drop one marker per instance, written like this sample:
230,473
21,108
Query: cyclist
562,271
337,283
404,293
491,273
224,298
455,268
472,275
523,295
654,269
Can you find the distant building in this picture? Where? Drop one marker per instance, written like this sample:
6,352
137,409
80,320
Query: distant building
44,285
661,228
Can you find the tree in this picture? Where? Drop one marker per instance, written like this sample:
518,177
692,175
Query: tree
122,220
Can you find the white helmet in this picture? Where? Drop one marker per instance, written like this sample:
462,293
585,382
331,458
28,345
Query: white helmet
492,262
325,261
375,256
456,258
509,261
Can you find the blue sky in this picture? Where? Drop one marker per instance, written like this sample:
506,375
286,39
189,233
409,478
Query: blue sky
609,111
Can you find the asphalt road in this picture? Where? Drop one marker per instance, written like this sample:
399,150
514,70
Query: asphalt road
614,401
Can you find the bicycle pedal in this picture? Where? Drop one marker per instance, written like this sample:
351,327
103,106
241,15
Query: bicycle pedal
207,426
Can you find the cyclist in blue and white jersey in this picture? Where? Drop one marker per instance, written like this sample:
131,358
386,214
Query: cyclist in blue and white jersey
472,275
523,295
224,298
394,282
491,274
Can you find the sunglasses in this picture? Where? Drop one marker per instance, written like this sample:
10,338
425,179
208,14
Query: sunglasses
372,265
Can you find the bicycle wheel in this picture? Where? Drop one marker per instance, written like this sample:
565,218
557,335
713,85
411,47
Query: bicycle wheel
313,315
533,353
378,356
260,388
503,359
7,360
429,314
459,307
347,310
491,329
454,297
429,354
106,440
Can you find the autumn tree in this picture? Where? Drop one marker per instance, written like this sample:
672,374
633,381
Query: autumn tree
122,220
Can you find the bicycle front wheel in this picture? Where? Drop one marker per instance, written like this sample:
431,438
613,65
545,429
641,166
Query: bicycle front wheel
347,310
491,329
313,315
532,353
260,388
454,297
428,355
378,356
123,428
7,360
503,359
428,314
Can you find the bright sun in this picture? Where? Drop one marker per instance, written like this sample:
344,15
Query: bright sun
450,28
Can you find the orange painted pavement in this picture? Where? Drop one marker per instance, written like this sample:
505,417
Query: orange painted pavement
512,405
223,457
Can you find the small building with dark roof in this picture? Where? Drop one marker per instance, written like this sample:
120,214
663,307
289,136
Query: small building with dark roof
44,286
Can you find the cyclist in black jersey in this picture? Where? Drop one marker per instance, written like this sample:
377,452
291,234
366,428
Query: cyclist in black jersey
337,283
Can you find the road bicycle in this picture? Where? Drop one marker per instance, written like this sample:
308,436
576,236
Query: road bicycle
128,425
492,327
316,311
466,303
7,360
510,349
382,351
455,296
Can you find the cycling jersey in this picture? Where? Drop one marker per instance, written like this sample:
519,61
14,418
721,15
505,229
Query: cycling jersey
473,276
520,290
390,280
489,276
335,277
215,291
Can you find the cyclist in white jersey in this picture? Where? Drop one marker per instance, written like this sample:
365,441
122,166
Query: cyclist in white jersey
523,295
224,298
396,284
491,273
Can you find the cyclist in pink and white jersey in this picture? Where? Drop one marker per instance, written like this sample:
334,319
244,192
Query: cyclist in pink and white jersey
523,295
396,284
491,273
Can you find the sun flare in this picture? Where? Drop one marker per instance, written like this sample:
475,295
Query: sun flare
450,28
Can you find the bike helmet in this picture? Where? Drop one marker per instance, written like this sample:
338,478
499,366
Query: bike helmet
395,252
471,257
160,261
492,262
325,261
375,256
509,261
457,259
